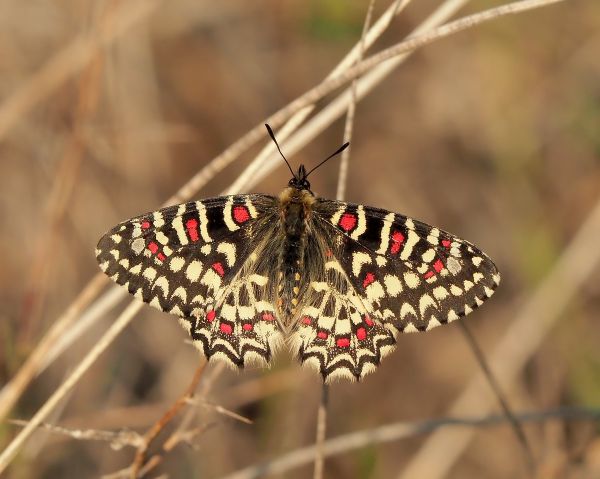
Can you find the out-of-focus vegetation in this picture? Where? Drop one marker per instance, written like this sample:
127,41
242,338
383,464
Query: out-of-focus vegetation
492,134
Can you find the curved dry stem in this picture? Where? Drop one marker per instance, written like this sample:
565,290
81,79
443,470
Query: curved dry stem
154,431
69,61
402,430
106,340
321,433
531,325
349,125
491,379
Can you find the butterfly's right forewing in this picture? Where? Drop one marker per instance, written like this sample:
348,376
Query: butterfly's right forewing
199,261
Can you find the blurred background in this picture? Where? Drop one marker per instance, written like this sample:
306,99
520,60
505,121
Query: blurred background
492,134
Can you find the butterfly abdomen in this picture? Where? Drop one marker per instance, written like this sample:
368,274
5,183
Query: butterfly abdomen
295,206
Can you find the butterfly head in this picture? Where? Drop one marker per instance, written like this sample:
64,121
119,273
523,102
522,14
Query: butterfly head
299,180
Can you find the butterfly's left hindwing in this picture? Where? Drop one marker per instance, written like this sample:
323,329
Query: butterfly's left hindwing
198,260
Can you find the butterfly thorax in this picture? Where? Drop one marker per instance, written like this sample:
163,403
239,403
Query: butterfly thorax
295,209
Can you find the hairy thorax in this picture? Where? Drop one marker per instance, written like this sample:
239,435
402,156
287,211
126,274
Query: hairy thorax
295,210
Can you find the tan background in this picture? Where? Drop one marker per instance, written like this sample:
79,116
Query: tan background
492,134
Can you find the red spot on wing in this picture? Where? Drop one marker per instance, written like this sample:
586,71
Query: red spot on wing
210,315
306,320
161,256
247,327
446,243
322,335
192,229
145,225
153,247
347,221
241,214
369,278
343,342
226,328
396,243
368,320
218,267
268,317
438,265
428,275
329,253
361,333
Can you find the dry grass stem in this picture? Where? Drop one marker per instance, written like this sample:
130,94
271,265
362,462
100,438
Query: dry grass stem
117,439
490,378
115,329
531,325
321,433
349,124
219,409
256,170
167,417
401,430
70,61
11,391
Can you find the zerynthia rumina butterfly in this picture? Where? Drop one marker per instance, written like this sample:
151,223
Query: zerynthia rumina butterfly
336,282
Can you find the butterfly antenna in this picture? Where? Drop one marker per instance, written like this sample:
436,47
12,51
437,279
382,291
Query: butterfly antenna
339,150
272,135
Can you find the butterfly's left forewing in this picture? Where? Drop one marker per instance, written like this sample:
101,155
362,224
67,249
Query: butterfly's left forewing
387,274
199,261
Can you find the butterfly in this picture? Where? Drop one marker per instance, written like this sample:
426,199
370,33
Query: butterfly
335,282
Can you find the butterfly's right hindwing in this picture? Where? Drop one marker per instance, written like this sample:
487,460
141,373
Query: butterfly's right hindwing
198,261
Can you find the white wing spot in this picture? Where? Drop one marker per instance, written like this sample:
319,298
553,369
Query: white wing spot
176,263
228,249
440,293
425,302
358,259
455,290
149,274
138,245
411,280
428,255
392,284
453,265
193,271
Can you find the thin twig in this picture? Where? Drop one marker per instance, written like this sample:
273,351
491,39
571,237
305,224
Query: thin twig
531,325
159,425
491,379
402,430
381,64
322,410
117,439
256,170
34,363
63,186
69,61
349,125
219,409
321,432
106,340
